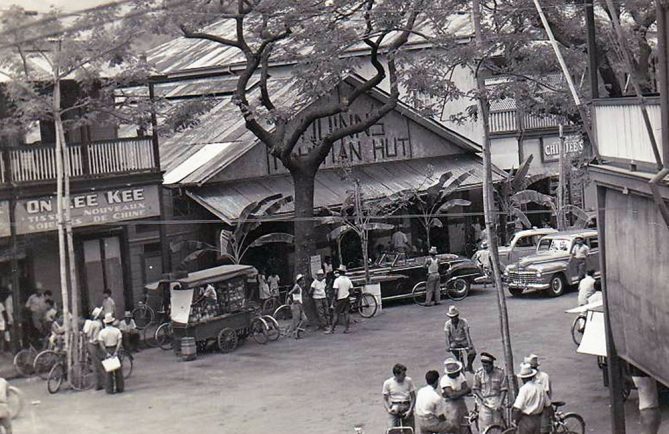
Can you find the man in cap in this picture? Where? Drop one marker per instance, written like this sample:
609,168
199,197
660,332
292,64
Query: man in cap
458,338
343,286
432,287
490,388
454,389
296,306
430,409
530,403
399,396
317,293
91,330
130,333
110,340
544,380
579,253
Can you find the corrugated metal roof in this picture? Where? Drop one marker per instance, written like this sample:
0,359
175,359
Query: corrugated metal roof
376,180
222,124
182,54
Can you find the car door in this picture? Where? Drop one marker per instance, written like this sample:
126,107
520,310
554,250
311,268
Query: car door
592,262
524,246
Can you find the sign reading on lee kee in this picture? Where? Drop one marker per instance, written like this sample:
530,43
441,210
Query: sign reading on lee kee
573,145
99,207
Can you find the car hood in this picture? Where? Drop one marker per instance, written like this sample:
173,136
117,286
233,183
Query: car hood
539,261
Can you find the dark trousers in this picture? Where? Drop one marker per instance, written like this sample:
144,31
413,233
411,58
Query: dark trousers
96,361
114,379
322,311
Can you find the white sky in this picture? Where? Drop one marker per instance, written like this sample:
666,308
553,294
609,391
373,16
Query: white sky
44,5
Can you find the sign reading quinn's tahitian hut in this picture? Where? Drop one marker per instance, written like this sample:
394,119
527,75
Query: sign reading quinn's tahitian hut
94,208
382,142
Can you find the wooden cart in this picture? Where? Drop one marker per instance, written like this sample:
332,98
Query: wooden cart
225,320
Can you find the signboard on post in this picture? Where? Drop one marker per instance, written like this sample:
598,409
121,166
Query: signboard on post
94,208
315,264
550,147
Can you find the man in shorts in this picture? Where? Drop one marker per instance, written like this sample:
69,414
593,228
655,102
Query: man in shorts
343,287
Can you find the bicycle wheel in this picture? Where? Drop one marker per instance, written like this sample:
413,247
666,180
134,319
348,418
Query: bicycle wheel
577,329
418,294
511,430
15,401
270,305
23,362
283,317
149,335
458,289
494,429
367,305
143,316
43,363
127,363
571,423
274,331
56,377
259,330
83,376
164,336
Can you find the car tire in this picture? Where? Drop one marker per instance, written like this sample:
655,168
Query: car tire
558,285
516,292
458,289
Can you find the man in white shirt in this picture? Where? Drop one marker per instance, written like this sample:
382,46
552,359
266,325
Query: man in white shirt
586,288
5,419
544,380
92,329
432,284
317,292
530,403
650,416
429,409
343,286
400,241
579,253
108,303
454,389
110,340
399,396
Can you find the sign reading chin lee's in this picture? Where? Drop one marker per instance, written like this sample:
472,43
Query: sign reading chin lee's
99,207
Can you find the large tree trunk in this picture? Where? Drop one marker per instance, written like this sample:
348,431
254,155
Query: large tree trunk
305,243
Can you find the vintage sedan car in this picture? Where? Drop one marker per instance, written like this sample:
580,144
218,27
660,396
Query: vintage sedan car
398,274
552,268
524,243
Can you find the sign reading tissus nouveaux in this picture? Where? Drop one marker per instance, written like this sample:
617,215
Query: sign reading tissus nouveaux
94,208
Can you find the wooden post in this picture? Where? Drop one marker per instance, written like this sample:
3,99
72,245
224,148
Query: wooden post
592,49
613,361
17,335
561,182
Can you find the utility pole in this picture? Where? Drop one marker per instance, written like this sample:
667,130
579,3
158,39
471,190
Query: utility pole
592,49
489,211
561,182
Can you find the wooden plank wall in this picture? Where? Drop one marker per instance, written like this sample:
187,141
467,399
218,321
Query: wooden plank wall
637,243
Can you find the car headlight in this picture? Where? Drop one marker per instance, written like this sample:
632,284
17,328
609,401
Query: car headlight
539,274
506,272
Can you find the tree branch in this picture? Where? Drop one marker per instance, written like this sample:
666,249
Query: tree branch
209,37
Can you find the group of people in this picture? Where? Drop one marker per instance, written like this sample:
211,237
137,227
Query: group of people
330,308
440,406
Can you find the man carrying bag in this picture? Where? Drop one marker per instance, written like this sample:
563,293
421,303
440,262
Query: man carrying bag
110,340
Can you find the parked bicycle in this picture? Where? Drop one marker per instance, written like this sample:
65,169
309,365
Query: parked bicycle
473,420
578,328
561,423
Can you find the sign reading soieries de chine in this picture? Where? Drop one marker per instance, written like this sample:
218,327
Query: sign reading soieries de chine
93,208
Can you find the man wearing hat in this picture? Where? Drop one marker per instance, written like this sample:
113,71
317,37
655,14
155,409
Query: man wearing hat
130,333
91,330
343,286
544,380
432,288
110,340
530,403
454,389
457,336
296,306
490,387
579,253
317,293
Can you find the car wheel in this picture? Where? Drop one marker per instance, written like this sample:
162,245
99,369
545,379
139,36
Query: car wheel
516,292
458,289
557,286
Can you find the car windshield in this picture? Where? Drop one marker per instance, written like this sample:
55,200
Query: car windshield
553,245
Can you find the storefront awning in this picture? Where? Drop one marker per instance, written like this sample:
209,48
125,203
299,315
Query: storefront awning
376,180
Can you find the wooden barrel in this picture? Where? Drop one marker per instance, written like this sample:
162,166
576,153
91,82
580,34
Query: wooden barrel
188,350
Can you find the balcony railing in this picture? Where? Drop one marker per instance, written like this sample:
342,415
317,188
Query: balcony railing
505,121
38,163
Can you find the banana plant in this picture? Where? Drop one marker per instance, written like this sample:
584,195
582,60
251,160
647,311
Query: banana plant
234,243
